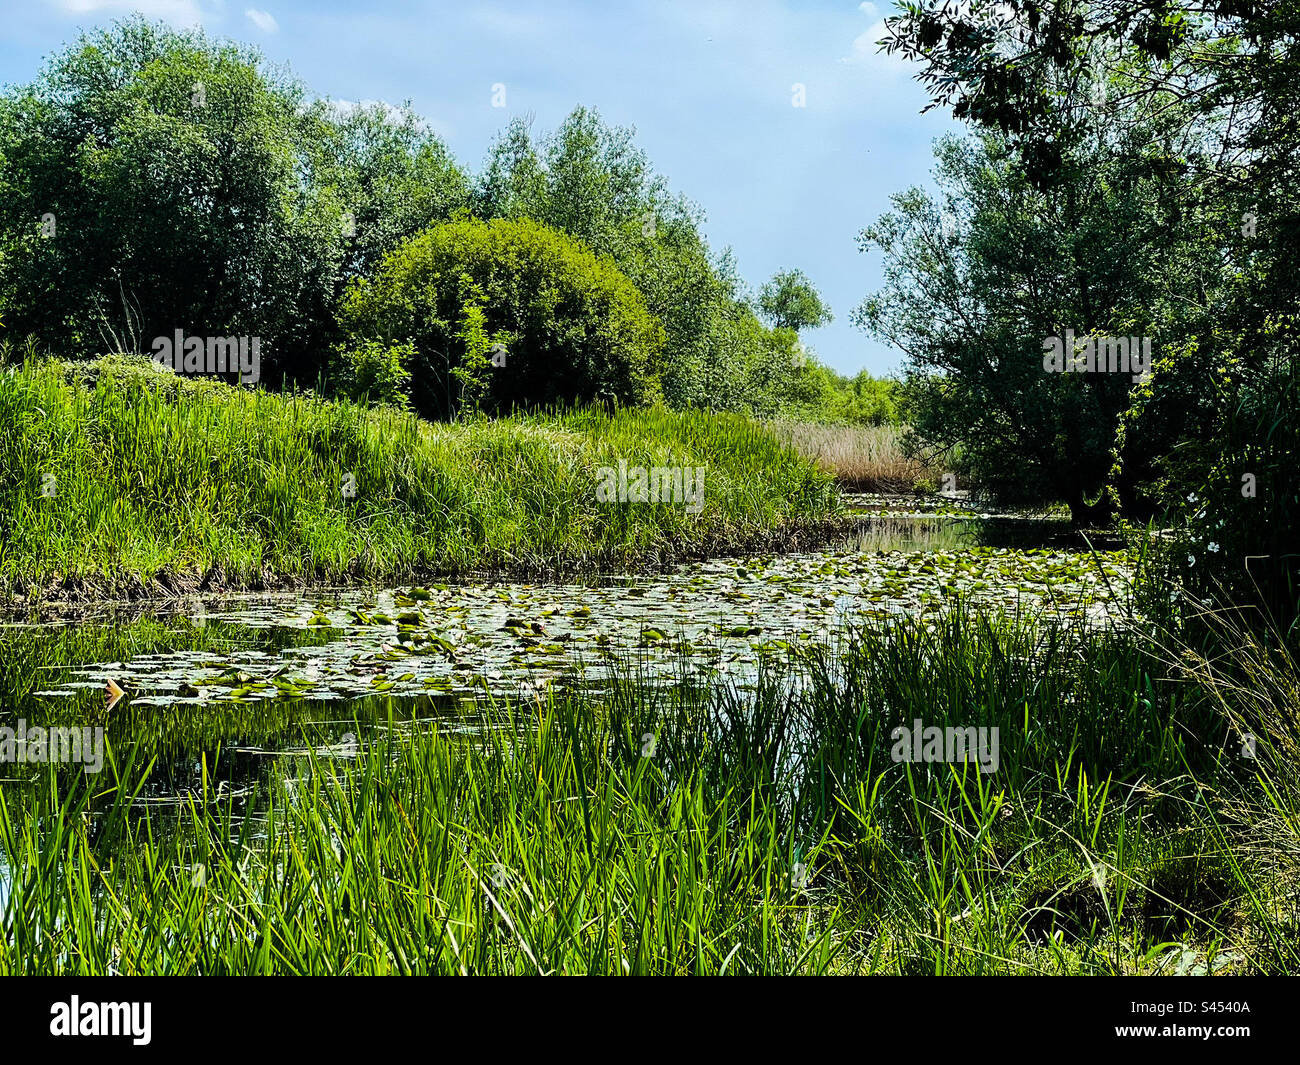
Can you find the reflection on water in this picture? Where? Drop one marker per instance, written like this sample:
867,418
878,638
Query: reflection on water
233,761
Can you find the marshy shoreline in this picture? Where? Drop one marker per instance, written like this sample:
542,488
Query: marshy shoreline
167,586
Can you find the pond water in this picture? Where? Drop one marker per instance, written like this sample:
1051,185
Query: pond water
230,696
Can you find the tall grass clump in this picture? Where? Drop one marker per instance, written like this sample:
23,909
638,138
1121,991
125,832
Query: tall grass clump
1248,672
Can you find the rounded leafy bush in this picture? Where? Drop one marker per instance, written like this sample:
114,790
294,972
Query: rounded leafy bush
508,313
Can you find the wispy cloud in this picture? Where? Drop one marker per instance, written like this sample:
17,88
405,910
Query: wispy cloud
392,114
263,20
342,108
865,48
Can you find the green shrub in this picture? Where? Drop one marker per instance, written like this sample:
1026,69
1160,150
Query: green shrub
1213,438
577,328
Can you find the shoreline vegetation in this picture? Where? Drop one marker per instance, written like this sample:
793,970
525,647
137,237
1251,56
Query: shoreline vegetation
122,479
863,458
682,829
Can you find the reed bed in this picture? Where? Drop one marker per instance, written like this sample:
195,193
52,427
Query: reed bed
863,458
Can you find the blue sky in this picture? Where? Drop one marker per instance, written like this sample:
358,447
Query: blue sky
709,87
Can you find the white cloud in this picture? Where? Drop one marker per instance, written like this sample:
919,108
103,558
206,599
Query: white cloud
263,20
865,49
393,115
345,107
177,12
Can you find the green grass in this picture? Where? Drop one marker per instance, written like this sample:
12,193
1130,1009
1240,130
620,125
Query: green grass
1120,834
114,473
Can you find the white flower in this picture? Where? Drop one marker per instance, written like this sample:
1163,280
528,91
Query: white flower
1191,498
1191,560
1213,546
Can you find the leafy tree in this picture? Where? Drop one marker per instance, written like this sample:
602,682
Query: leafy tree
976,286
865,400
789,301
1225,394
375,372
190,186
481,351
389,176
166,166
592,181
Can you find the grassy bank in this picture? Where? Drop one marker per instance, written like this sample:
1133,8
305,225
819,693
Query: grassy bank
1120,833
116,475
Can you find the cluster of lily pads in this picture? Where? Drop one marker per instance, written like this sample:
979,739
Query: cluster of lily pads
715,618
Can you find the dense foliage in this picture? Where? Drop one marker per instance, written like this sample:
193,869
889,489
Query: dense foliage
592,182
154,180
789,301
978,283
1187,110
560,322
114,473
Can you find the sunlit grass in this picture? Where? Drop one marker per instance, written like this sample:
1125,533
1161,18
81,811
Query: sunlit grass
124,472
861,457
